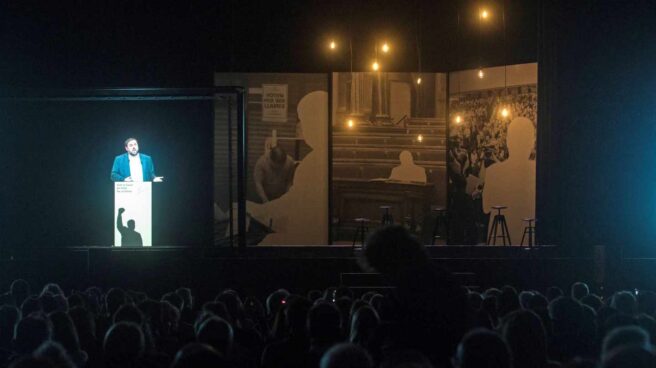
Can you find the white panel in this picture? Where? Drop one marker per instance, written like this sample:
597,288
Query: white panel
136,199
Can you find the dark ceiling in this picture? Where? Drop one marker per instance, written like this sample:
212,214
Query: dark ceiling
180,43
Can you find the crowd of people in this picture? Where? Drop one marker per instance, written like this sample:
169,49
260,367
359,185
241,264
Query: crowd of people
481,130
426,320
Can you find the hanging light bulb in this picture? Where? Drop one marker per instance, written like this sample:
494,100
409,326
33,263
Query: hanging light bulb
458,119
505,112
375,66
484,14
420,138
418,80
385,48
350,124
333,45
481,74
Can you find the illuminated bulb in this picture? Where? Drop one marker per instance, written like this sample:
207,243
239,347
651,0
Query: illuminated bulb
458,119
484,14
481,74
419,80
350,124
505,112
420,138
385,47
375,66
333,45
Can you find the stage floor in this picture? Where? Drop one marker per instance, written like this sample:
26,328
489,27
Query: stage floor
301,251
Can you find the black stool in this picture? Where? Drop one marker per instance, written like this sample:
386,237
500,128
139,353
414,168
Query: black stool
362,230
441,221
387,216
499,220
409,223
529,230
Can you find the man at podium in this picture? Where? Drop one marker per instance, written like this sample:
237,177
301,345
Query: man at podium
133,166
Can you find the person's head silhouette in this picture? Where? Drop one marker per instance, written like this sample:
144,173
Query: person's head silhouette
312,112
346,356
278,157
406,158
131,224
521,135
482,348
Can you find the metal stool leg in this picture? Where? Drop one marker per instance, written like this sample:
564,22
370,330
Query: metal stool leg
497,220
507,232
355,236
436,229
502,221
493,230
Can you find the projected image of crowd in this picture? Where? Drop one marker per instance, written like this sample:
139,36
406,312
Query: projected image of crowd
426,319
478,140
481,129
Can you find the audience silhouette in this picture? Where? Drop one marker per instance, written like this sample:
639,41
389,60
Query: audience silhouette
427,320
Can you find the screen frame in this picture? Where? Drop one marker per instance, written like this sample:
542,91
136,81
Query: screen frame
237,238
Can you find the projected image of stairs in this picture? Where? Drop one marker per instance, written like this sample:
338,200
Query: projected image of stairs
363,159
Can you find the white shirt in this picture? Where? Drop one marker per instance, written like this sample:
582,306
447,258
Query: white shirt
136,171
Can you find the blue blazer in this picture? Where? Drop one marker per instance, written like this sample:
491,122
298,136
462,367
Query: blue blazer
121,167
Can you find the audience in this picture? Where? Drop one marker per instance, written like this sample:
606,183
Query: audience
197,355
29,334
217,333
124,345
579,290
429,309
19,291
626,335
625,303
427,320
524,332
482,348
346,356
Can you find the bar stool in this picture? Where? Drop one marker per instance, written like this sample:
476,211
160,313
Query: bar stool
362,230
387,219
441,221
499,221
409,223
529,230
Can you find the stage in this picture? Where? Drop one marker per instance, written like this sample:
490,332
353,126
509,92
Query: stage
259,270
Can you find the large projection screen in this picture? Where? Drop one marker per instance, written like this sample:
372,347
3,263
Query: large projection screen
59,153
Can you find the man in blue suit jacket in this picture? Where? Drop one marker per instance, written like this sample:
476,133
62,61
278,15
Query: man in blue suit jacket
133,160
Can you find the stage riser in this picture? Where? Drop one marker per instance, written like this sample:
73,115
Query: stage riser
159,271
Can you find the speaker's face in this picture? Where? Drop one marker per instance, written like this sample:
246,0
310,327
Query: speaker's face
132,147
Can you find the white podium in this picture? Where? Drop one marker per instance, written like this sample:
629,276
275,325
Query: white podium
133,227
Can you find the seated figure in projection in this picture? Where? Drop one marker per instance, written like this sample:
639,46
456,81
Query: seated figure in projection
129,237
300,216
273,174
511,182
133,165
408,171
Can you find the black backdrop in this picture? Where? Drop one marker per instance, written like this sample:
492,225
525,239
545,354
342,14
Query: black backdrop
58,154
596,180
